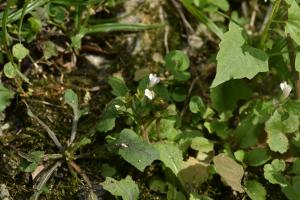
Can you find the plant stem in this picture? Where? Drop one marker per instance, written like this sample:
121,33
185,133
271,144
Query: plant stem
74,128
4,31
51,134
292,57
22,18
265,32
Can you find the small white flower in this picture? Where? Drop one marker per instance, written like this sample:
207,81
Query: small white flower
149,94
286,89
117,107
153,80
124,145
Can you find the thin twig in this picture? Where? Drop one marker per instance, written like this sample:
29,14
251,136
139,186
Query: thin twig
186,24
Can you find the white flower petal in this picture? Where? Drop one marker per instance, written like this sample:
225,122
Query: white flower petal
149,94
153,80
286,89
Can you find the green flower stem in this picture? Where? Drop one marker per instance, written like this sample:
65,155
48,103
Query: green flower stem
265,33
22,18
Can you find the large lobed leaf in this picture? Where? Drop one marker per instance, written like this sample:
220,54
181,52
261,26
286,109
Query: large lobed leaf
277,130
126,188
236,59
171,156
136,151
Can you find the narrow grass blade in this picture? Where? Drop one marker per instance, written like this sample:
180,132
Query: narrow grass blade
203,18
14,16
109,27
44,180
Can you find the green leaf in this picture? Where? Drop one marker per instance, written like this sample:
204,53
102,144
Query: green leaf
157,185
108,117
118,86
107,170
10,70
277,140
37,156
196,105
106,123
49,49
202,144
179,94
248,131
257,157
239,155
31,167
255,190
174,193
296,167
194,196
177,61
231,172
291,124
273,172
126,188
71,99
36,24
291,191
171,156
226,96
222,4
236,59
138,152
293,23
76,41
5,96
166,129
19,51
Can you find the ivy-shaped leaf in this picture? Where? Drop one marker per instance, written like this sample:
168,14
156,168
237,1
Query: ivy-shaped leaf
10,70
19,51
136,151
171,156
236,59
273,172
275,128
126,188
5,96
